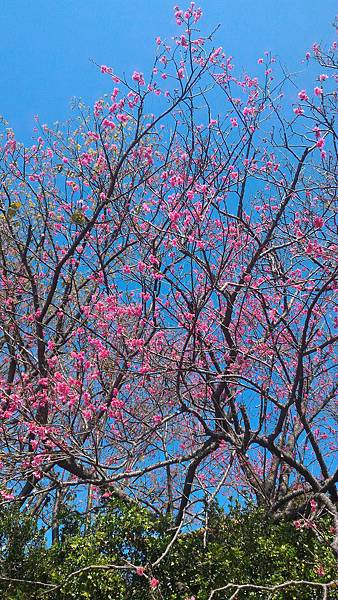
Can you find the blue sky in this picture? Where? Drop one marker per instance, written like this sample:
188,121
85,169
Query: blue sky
46,45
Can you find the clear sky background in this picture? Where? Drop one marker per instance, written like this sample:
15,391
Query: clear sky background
46,45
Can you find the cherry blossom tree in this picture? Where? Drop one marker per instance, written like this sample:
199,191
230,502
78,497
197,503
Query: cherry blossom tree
168,265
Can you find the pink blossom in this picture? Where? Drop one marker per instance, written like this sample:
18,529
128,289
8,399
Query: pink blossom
108,123
183,41
320,142
138,77
174,216
318,91
6,495
140,571
302,95
105,69
318,222
107,494
316,48
154,583
247,110
298,111
141,266
215,54
122,118
178,16
158,275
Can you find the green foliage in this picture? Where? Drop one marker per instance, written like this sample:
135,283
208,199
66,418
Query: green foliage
13,209
242,546
78,217
245,547
22,547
